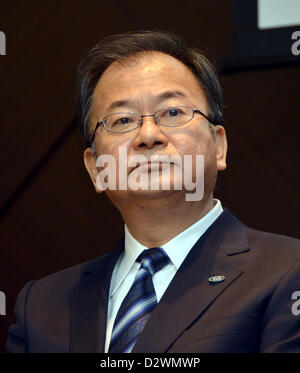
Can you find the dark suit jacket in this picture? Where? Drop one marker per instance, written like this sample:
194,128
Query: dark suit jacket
250,311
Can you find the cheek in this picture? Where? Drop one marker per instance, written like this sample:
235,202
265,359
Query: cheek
199,142
110,144
195,141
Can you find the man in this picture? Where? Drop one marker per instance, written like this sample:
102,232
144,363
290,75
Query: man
188,275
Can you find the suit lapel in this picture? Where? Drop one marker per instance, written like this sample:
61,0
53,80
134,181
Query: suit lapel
88,305
187,297
190,293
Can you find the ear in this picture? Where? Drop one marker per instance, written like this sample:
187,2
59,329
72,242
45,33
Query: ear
89,158
221,147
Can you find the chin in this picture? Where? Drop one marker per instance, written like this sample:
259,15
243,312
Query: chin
152,194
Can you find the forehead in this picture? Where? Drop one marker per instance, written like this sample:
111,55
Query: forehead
142,77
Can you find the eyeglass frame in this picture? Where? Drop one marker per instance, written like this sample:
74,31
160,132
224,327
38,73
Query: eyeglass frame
195,111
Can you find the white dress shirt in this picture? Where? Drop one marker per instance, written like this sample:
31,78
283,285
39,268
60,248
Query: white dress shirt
126,267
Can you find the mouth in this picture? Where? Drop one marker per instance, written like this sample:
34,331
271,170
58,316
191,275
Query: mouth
148,165
154,165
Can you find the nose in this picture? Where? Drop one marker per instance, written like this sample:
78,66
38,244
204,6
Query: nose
149,134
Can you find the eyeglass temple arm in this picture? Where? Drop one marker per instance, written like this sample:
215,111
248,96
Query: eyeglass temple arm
205,116
94,133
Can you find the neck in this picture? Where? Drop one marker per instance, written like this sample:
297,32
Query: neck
154,222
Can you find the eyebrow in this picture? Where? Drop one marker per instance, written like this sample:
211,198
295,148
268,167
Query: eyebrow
161,97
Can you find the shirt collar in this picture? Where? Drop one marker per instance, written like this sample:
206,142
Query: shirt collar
185,241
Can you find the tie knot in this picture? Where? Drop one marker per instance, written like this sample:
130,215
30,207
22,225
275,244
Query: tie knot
153,259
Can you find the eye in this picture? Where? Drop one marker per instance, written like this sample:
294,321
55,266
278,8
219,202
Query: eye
173,112
123,121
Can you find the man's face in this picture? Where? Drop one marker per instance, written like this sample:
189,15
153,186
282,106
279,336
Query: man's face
144,85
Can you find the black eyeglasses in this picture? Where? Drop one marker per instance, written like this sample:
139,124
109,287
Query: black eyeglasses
172,116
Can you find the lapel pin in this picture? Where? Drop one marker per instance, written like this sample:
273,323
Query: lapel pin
217,278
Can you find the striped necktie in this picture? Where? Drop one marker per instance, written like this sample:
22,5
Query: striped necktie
139,302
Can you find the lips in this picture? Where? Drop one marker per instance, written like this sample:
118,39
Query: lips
147,166
144,162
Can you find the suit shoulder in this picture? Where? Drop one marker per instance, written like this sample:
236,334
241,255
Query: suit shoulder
276,244
69,277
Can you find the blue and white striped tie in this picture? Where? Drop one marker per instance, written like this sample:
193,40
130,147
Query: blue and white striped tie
139,302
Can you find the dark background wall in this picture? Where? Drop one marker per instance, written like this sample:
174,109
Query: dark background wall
51,218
